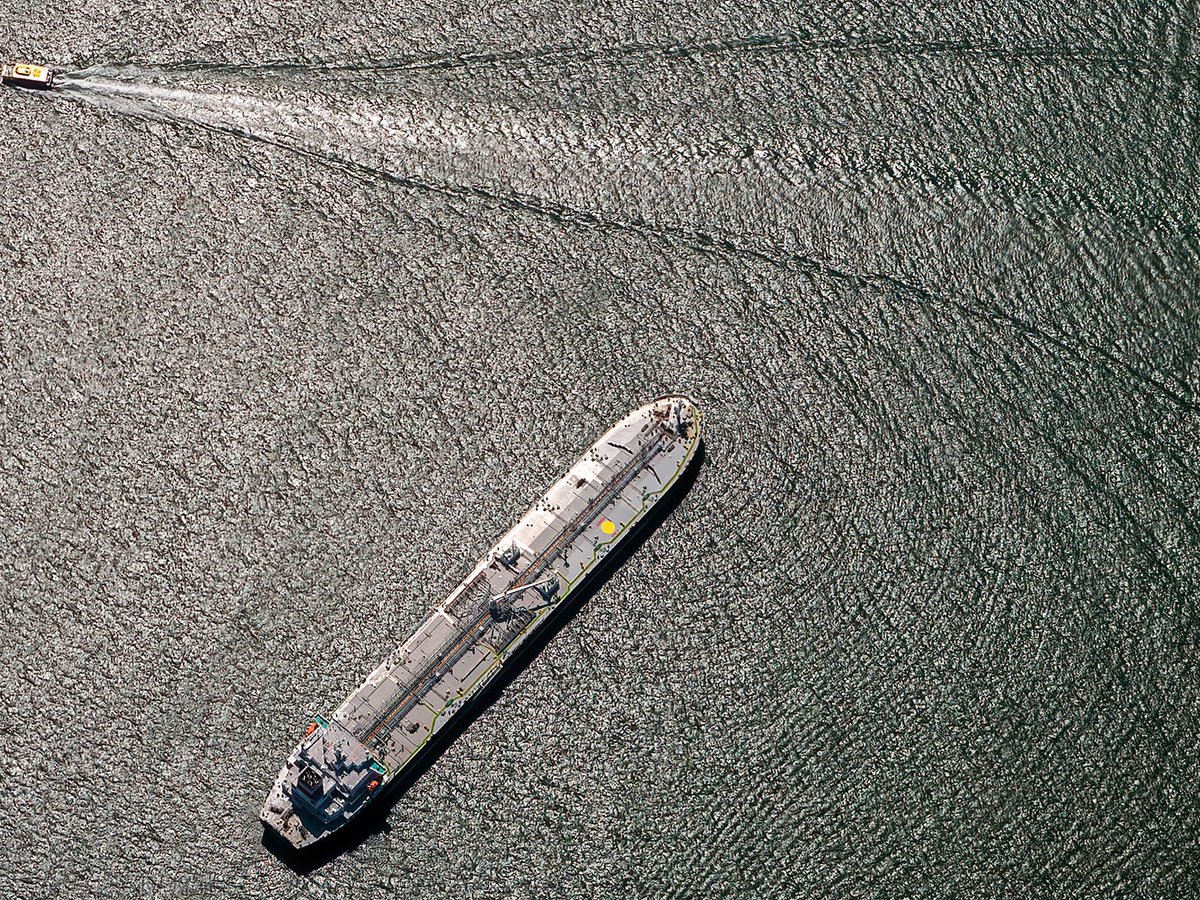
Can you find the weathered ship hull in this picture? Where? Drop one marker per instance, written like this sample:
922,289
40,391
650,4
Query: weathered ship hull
347,762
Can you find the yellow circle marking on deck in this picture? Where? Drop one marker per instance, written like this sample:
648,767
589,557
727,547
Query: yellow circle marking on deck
608,527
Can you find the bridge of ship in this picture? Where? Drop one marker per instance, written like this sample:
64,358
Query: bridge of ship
463,640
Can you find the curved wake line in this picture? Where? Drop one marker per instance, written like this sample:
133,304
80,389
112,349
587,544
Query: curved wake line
795,43
699,241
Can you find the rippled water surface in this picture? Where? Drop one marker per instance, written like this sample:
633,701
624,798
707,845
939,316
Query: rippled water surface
303,306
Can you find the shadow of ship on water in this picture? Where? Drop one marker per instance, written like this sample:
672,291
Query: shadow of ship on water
373,819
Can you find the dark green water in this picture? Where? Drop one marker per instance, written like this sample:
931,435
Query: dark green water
302,307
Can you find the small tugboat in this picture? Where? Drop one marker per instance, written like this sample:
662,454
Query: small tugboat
27,75
346,761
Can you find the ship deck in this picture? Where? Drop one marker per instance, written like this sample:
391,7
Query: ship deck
463,641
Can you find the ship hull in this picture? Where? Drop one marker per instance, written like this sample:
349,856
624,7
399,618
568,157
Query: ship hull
399,717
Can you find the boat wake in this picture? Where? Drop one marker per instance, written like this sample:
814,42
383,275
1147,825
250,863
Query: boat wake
653,171
280,114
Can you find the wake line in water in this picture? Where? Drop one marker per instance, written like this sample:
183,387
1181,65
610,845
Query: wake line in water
492,138
149,99
297,124
316,133
795,43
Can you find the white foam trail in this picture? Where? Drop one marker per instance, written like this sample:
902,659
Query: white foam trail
547,150
342,127
227,110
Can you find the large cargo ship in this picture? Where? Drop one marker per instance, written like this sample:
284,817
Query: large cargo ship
345,762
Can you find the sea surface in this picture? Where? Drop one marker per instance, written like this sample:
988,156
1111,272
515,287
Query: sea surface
303,304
